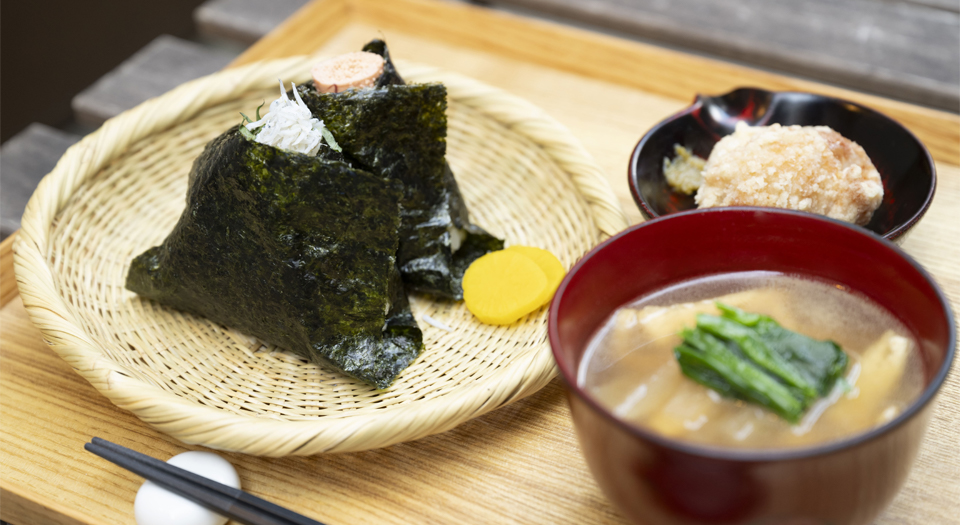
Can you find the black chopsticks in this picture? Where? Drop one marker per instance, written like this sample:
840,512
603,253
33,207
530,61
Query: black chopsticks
226,501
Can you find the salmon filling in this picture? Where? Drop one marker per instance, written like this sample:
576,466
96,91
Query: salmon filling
352,70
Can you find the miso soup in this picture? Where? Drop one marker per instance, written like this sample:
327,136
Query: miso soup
630,367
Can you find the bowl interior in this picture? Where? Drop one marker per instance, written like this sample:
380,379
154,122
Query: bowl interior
905,166
665,251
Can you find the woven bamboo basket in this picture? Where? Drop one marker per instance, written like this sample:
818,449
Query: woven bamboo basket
120,190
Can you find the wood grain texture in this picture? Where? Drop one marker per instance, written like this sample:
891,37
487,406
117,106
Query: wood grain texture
160,66
308,29
244,21
21,508
8,281
519,464
646,68
952,6
893,48
24,160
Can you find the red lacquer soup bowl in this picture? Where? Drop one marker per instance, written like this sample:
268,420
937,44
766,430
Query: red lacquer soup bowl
656,480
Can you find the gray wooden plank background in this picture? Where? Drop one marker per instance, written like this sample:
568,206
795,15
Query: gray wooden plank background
160,66
24,160
243,20
906,49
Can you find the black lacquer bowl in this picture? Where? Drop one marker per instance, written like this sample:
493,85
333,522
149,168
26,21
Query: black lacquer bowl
905,165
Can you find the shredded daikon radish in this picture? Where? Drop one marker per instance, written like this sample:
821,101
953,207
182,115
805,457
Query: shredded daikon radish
436,324
290,126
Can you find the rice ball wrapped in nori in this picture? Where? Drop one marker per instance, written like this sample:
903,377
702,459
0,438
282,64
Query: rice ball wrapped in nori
299,251
399,131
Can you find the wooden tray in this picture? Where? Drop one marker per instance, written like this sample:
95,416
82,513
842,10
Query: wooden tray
518,464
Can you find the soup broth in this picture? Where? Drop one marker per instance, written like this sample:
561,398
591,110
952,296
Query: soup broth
630,368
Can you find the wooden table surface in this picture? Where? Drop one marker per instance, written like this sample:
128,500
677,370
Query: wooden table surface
519,464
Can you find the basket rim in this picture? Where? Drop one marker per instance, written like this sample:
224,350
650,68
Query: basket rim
195,423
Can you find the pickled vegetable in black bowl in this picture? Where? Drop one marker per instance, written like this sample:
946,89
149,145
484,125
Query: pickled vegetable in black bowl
905,165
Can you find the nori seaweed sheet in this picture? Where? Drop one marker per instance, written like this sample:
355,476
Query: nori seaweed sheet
389,75
399,131
298,251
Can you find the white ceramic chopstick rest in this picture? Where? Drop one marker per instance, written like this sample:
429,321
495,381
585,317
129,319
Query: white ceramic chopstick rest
155,505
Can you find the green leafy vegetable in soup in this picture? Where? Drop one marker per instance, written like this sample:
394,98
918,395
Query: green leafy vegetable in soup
751,357
753,360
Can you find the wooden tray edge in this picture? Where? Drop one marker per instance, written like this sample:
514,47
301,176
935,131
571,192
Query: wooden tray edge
646,67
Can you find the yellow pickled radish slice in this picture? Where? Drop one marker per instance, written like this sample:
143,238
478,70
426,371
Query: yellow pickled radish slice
550,265
503,286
